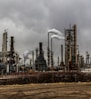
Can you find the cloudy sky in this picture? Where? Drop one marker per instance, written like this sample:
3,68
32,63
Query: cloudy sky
29,21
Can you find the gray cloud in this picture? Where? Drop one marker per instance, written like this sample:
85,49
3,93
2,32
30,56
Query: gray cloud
66,12
29,20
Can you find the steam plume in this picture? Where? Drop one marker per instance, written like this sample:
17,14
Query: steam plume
58,37
55,32
26,55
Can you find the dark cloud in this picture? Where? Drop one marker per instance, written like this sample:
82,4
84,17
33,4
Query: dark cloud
29,21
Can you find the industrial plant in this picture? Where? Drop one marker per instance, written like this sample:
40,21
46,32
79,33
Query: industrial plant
72,67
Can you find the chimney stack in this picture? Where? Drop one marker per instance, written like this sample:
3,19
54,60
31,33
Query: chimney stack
40,49
4,44
12,44
61,53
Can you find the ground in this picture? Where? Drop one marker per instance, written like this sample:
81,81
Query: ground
47,91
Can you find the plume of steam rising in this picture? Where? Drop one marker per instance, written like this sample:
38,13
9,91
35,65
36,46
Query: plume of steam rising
58,37
26,55
55,32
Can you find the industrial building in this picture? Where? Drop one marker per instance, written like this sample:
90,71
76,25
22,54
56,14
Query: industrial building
40,62
72,67
73,59
4,48
8,58
71,48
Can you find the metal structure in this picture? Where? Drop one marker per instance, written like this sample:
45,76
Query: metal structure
53,31
73,61
59,38
40,62
52,61
81,59
87,59
11,55
71,48
33,58
62,62
48,52
4,47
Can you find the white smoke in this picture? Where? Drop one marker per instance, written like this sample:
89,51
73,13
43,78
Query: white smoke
54,31
26,55
58,37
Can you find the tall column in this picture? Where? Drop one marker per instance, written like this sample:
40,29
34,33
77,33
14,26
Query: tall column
4,46
61,53
51,54
75,44
48,52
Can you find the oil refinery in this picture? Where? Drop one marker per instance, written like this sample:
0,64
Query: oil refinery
72,67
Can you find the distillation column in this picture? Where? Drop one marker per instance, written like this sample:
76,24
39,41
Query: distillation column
4,47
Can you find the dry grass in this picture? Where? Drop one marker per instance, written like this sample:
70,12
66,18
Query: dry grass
47,91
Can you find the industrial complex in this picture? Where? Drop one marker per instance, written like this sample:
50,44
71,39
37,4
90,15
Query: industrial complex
72,66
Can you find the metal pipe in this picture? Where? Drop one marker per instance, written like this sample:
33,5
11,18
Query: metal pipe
51,54
48,54
53,32
65,48
61,53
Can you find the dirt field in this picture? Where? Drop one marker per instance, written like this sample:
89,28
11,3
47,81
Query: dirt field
47,91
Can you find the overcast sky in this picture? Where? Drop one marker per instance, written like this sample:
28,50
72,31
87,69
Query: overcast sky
29,21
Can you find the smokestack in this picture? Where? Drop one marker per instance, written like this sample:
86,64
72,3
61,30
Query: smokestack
61,53
4,44
12,44
52,62
48,52
11,61
75,43
40,48
33,57
40,62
